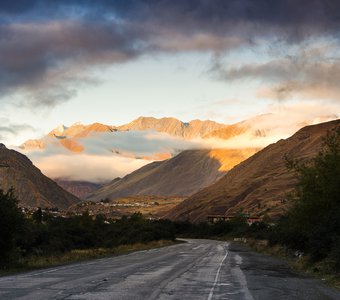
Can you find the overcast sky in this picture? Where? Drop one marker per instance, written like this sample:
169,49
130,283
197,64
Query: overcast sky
112,61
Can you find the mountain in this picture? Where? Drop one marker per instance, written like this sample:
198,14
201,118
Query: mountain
182,175
31,187
99,152
174,127
67,137
80,189
72,137
258,185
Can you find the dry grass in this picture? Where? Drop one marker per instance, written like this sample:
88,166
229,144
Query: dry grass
77,255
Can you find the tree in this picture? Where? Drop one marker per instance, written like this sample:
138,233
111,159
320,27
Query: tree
313,222
38,216
11,224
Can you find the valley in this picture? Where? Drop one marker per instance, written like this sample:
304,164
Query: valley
153,207
190,185
145,145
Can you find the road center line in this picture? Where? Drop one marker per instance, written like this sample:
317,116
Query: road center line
218,274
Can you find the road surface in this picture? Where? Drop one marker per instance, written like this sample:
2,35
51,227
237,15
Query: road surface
198,269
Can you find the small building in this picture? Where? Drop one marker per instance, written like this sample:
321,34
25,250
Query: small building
216,218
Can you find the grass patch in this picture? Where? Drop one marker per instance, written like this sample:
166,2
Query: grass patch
323,270
77,255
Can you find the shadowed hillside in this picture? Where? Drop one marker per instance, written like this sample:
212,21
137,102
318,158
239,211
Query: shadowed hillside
31,187
181,175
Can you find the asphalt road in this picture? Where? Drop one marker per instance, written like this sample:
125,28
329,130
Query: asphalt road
199,269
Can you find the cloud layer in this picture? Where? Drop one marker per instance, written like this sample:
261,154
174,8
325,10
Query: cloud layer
111,154
93,168
49,49
307,74
108,155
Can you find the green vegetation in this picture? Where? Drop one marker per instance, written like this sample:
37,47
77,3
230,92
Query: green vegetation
11,226
238,227
312,224
53,240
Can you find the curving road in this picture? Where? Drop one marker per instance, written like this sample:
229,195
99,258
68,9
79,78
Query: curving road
198,269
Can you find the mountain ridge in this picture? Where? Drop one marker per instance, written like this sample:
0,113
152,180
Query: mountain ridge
172,126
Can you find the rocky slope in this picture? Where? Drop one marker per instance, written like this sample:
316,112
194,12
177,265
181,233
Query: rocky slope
182,175
31,187
174,127
258,185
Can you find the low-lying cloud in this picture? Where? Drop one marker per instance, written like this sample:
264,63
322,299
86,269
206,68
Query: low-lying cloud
140,143
108,155
281,121
88,167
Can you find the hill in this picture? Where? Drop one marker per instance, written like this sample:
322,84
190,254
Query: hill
258,185
182,175
31,187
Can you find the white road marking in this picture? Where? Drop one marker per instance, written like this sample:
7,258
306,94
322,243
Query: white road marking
241,278
217,274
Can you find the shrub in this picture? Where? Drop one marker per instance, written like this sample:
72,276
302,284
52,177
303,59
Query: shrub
313,222
11,225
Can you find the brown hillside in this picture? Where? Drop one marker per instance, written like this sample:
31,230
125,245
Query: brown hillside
31,187
260,184
181,175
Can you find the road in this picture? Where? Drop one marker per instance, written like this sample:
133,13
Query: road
198,269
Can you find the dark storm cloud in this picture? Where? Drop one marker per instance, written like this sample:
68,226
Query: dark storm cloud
47,61
314,13
199,15
47,48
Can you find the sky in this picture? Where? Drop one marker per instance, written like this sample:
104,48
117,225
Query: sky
112,61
